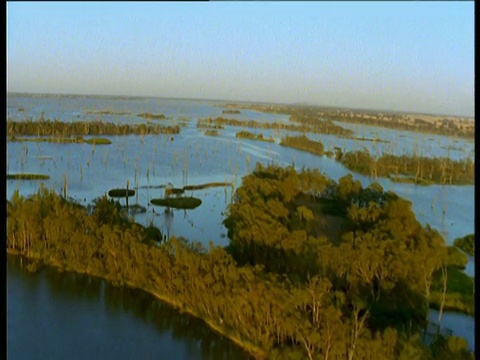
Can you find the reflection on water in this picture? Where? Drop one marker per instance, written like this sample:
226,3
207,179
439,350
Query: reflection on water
52,314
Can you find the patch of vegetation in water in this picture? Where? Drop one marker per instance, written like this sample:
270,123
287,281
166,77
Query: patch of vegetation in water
201,125
152,116
121,193
41,128
211,132
44,157
26,176
365,139
231,111
411,169
107,112
304,144
162,186
252,136
173,191
207,185
410,180
60,140
317,127
98,141
467,244
189,202
136,209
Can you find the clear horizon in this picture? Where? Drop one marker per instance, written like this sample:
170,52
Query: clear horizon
388,56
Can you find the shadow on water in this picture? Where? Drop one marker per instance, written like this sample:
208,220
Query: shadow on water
197,340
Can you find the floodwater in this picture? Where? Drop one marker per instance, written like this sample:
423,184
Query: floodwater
194,158
60,315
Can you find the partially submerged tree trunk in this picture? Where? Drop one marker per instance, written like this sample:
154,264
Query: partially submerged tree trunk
444,295
126,194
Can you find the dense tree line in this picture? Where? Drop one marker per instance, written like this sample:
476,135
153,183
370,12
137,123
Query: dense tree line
282,289
320,127
445,127
438,170
416,169
303,143
252,136
315,114
78,128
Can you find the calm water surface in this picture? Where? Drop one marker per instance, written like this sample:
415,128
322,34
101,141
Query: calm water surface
59,315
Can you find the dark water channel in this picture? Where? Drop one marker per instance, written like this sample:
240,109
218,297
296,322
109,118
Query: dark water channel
60,315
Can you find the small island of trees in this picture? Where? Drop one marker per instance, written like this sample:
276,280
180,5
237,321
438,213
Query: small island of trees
77,128
231,111
412,169
252,136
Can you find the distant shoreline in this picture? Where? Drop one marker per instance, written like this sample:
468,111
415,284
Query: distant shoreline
244,102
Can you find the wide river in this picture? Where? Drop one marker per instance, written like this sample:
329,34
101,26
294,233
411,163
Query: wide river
83,321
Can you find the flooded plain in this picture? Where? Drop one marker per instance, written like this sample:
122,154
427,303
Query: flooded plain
152,161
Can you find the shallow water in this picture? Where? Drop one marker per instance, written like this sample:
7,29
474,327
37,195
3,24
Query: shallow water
193,158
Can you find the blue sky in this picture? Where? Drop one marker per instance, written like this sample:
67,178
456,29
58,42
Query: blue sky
403,56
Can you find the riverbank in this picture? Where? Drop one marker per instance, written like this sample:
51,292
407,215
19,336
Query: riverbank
253,350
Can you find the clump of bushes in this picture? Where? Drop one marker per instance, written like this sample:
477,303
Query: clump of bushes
178,203
121,193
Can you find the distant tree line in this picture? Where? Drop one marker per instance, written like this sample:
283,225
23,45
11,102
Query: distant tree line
423,170
321,127
415,169
316,114
59,128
